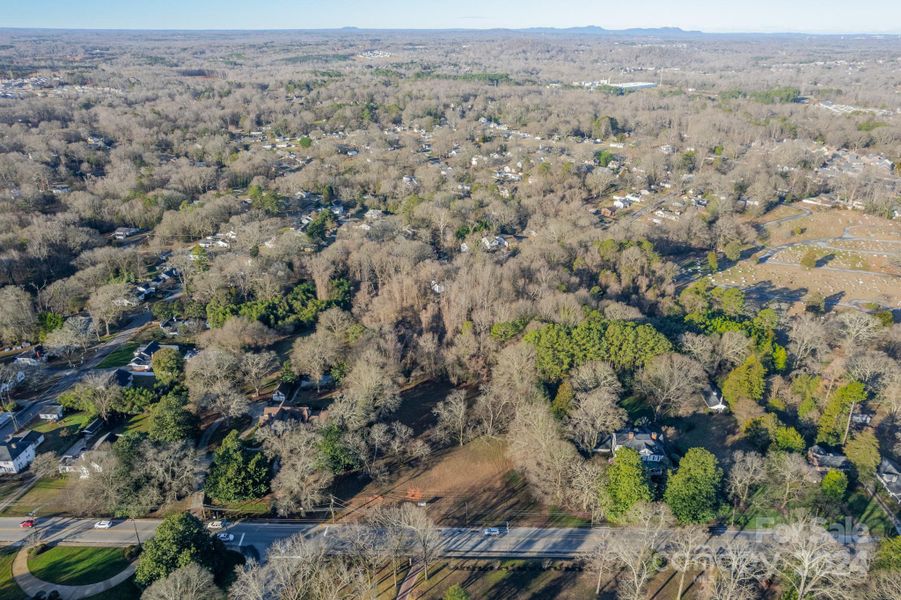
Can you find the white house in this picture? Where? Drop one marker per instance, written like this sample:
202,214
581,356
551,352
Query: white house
19,452
51,412
89,462
714,401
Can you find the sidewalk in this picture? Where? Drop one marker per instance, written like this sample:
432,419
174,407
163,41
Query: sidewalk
32,586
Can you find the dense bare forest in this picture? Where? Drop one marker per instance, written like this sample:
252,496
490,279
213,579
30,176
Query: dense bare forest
654,277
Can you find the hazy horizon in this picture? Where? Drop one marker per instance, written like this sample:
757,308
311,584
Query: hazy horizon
878,17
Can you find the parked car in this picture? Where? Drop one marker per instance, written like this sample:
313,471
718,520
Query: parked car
103,524
492,531
225,537
27,523
215,525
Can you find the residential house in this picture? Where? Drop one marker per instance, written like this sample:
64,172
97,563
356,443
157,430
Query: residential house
649,444
122,378
92,429
492,244
281,412
714,401
889,475
32,356
824,459
123,233
142,356
12,382
861,418
170,326
19,452
85,465
51,412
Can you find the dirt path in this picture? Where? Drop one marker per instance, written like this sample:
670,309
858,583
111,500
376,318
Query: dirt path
409,583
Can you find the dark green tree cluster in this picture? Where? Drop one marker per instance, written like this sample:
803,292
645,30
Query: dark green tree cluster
833,422
238,472
745,382
692,492
624,344
297,308
625,483
180,539
170,420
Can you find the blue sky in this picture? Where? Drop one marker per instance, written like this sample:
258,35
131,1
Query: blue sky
826,16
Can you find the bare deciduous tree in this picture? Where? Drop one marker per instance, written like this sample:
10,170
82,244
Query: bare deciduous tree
301,480
790,474
669,382
426,536
807,340
737,571
813,563
746,472
537,449
454,422
191,582
108,303
639,555
684,552
858,327
255,367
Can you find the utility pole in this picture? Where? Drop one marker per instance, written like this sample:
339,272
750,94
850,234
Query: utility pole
137,537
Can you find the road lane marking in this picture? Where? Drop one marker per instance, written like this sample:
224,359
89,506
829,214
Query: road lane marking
241,541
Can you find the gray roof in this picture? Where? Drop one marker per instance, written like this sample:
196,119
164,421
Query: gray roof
890,475
11,450
830,459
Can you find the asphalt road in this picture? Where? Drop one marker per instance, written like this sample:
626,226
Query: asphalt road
65,378
522,542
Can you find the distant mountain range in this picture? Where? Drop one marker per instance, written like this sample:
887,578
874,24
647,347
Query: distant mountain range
595,30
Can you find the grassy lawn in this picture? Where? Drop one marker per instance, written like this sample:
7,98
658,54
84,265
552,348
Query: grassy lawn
505,579
60,435
866,510
8,588
8,485
72,565
119,357
47,497
246,508
138,423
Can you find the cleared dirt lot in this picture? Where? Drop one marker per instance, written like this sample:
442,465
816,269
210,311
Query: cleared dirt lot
472,485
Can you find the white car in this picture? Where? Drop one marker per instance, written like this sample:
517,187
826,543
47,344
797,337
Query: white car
492,531
215,525
103,524
225,537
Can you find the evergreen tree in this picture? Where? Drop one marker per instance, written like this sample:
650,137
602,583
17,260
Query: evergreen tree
745,382
237,472
170,421
625,484
834,421
693,490
179,540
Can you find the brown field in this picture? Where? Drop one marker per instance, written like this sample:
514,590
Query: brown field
470,485
522,579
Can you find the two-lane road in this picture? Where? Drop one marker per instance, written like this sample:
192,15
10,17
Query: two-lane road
520,542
